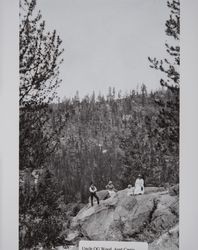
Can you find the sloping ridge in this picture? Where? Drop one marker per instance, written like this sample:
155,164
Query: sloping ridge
151,217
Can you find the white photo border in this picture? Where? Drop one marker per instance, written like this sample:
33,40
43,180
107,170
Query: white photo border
9,124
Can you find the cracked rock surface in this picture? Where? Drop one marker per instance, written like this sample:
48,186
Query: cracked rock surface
152,217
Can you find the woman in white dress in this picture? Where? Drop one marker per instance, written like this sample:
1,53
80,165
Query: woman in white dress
139,185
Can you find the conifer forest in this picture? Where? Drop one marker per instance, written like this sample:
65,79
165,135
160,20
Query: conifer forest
67,144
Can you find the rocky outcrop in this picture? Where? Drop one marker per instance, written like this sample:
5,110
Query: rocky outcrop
167,241
174,190
149,217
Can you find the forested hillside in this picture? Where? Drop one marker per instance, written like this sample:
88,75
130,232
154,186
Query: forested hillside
114,138
97,139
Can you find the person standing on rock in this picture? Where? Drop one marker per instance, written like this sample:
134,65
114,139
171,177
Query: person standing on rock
93,190
139,185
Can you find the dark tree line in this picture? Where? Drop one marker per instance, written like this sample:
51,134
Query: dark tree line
109,138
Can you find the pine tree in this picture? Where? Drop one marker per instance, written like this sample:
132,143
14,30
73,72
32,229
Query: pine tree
168,118
171,68
39,61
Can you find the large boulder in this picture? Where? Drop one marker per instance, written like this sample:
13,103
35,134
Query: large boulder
122,217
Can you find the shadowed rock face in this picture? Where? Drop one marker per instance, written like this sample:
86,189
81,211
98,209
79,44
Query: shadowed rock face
167,241
131,218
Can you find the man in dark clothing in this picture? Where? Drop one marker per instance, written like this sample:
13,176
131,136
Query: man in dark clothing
93,190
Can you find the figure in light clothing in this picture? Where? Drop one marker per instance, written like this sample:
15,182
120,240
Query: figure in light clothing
111,189
139,185
130,190
93,190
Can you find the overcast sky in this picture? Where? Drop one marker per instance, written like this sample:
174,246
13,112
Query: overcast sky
107,42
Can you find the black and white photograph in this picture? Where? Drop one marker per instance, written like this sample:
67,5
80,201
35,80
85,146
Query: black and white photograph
99,123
